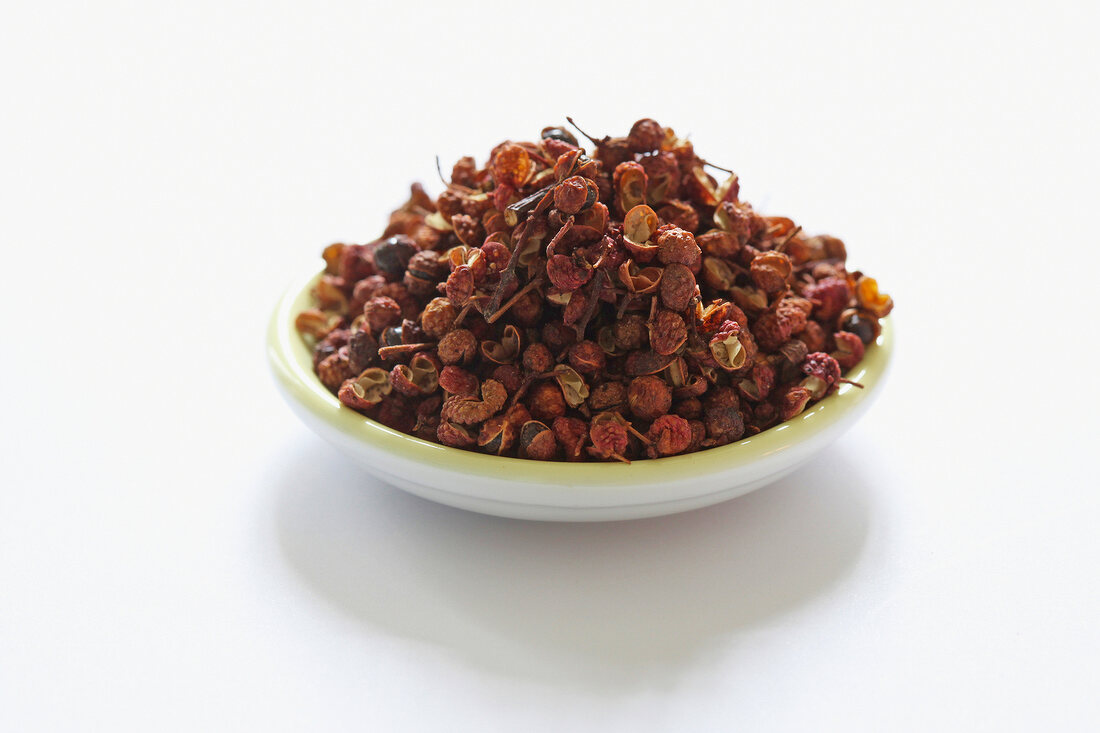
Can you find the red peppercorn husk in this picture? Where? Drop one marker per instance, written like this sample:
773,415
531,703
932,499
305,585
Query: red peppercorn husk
610,303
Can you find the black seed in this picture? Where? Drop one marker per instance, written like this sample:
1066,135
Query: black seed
391,336
860,327
392,256
531,430
558,133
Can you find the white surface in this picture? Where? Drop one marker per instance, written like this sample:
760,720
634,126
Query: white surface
178,553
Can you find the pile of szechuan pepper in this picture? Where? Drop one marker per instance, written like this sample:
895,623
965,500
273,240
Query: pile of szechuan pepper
566,304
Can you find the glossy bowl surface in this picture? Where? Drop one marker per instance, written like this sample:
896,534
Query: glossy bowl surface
559,491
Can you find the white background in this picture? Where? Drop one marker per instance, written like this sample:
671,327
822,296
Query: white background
178,553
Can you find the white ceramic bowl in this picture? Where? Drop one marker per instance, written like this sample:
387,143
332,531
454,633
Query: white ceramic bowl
559,491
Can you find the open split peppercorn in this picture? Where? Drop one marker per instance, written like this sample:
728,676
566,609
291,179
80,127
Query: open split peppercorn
561,304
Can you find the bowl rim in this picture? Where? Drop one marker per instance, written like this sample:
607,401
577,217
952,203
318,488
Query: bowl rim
291,362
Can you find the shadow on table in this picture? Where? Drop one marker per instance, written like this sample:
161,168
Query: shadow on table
601,606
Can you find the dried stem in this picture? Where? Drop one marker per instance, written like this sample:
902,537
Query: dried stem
593,301
718,167
638,435
790,235
524,205
523,387
509,275
628,298
539,157
439,170
451,185
693,307
386,352
514,299
593,140
462,314
558,237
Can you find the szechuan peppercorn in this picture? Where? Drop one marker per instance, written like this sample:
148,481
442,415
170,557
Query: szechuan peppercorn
560,305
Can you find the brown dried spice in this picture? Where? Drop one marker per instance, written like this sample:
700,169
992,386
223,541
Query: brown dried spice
469,411
587,357
546,401
671,434
674,245
366,390
677,287
334,369
544,296
667,332
458,347
609,436
648,397
571,434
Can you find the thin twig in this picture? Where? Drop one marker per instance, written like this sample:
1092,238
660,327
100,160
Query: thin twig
439,170
399,350
557,237
509,275
462,313
590,307
694,308
638,435
718,167
451,185
790,235
527,203
593,140
523,387
514,299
